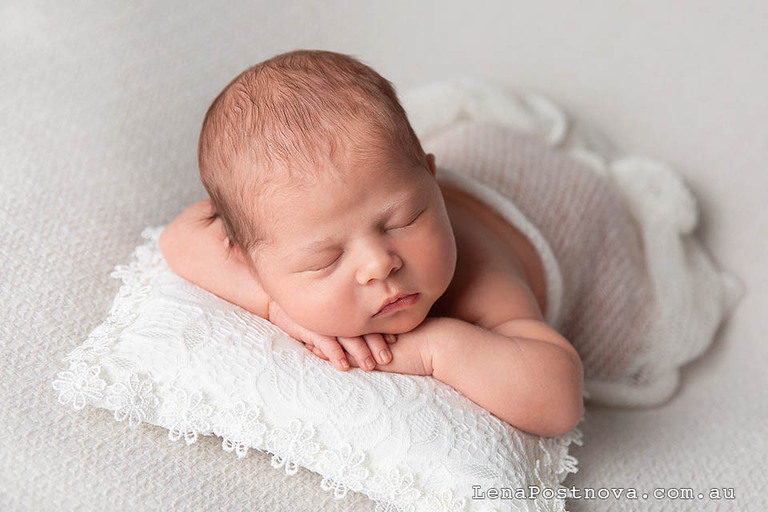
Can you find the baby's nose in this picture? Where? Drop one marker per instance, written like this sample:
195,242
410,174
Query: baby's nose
378,264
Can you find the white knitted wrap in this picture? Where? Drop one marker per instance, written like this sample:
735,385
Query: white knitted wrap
627,283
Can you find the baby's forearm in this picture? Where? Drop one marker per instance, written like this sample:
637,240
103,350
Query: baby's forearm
197,251
531,384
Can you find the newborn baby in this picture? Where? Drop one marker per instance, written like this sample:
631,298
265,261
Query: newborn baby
326,217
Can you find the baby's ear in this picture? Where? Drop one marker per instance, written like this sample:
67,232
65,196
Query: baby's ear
431,163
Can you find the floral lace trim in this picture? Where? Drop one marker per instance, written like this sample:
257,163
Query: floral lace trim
187,414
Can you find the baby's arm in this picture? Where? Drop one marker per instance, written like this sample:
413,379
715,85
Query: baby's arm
507,360
522,371
197,251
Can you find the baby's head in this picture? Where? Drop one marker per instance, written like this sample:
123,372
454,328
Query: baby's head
326,193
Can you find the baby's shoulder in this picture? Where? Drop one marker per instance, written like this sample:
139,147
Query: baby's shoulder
498,277
490,297
489,286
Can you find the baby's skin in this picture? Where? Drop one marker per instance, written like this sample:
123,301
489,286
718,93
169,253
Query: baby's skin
471,286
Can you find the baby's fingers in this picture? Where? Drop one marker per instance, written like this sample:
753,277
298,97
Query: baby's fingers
367,350
333,351
358,349
316,351
377,344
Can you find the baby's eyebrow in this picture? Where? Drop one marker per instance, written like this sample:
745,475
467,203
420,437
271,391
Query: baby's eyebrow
321,244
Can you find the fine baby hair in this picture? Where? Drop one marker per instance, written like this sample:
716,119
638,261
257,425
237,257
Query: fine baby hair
295,115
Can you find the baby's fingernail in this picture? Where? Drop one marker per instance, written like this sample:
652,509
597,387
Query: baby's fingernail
344,364
369,363
391,338
385,356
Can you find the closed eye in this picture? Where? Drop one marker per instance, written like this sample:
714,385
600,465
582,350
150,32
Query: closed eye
324,267
411,222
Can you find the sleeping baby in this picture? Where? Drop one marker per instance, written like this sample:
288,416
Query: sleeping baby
327,217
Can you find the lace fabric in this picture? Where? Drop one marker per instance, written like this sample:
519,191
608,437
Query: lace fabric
173,355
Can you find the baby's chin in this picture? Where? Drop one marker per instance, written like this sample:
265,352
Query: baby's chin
398,323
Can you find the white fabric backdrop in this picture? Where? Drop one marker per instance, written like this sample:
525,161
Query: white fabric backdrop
100,105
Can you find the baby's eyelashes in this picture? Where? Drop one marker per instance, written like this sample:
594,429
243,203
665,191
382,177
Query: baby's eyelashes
413,220
324,266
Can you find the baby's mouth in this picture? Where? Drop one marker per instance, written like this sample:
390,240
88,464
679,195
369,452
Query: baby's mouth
401,301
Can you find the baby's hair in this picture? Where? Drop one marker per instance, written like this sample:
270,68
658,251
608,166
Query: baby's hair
297,112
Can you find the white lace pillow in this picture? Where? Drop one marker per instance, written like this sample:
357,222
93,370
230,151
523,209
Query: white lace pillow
173,355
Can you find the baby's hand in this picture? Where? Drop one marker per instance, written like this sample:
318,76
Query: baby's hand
367,350
415,349
371,347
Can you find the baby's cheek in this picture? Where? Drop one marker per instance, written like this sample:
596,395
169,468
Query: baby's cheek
325,310
437,257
